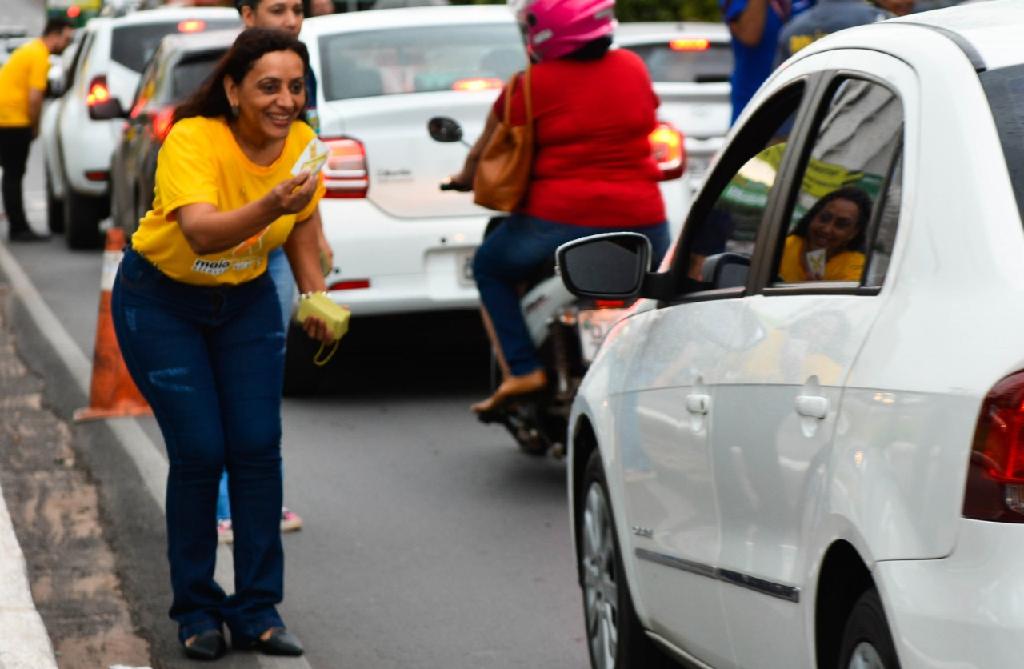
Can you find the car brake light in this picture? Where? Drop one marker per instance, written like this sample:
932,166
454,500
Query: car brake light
609,304
346,174
162,122
192,26
477,84
350,284
668,150
98,91
995,476
690,44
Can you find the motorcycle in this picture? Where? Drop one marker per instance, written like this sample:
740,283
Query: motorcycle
566,331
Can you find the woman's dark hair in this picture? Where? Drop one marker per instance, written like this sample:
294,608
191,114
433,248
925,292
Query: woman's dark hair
595,49
854,195
251,45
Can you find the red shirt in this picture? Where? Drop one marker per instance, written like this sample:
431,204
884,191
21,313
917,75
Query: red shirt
592,162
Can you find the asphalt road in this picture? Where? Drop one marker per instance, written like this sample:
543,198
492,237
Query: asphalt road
430,541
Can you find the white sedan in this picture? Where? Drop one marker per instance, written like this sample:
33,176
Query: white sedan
804,447
400,244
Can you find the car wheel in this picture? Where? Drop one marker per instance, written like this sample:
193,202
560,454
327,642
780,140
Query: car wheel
82,216
615,638
54,208
867,643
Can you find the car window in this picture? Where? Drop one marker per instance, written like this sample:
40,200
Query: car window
80,60
133,45
686,60
190,72
1004,88
749,169
146,89
833,222
416,60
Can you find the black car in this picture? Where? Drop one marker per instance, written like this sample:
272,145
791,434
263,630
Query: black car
178,67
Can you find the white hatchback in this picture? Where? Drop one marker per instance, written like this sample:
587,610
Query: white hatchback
78,144
400,244
775,463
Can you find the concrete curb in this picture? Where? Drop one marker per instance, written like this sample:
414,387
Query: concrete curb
148,458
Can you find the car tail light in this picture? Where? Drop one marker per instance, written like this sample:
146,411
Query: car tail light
162,122
192,26
690,44
98,91
346,174
350,284
995,476
609,304
97,175
477,84
668,150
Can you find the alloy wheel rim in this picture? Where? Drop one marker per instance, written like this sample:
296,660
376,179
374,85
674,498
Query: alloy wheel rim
865,656
600,587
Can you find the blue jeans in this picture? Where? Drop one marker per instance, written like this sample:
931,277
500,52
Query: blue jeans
284,286
509,255
210,361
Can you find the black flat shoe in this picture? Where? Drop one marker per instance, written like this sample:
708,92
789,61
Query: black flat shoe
208,645
280,642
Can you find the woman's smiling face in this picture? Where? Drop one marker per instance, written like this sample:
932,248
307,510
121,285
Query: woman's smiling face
834,226
271,96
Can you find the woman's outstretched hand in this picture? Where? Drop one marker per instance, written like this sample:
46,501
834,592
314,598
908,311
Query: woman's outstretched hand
293,195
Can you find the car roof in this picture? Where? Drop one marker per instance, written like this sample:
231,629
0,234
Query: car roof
407,17
663,31
992,29
213,39
162,14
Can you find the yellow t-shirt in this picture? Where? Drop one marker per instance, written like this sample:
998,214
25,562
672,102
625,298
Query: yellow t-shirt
845,266
25,69
200,161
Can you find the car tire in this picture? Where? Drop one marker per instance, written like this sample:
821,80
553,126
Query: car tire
615,637
82,215
867,642
54,208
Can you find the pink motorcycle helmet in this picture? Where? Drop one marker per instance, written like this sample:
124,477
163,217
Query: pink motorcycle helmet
554,28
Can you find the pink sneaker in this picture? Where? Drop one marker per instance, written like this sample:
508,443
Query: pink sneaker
225,534
290,521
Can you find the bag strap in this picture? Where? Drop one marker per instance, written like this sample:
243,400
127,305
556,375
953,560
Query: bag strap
528,98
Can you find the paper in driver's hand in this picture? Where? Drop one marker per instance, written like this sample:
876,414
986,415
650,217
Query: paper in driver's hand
312,157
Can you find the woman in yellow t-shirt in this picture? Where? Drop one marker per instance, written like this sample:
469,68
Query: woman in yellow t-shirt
200,326
828,242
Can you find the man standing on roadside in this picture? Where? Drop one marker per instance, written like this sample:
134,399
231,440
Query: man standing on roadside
755,26
22,88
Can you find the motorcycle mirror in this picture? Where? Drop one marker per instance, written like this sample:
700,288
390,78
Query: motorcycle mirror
608,266
444,129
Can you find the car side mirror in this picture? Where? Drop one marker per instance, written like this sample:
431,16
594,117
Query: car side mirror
444,129
609,266
725,270
106,110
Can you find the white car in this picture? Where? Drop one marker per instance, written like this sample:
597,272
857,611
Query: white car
690,64
772,472
78,138
400,244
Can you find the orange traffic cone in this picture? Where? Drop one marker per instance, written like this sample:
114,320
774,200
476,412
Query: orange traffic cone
112,393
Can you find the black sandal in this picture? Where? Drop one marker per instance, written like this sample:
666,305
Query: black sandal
208,645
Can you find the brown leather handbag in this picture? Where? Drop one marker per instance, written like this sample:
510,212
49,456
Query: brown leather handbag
503,172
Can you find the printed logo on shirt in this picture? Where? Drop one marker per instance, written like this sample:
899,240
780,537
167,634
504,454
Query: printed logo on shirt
211,267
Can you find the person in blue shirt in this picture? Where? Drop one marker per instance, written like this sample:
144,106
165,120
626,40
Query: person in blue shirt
755,27
826,17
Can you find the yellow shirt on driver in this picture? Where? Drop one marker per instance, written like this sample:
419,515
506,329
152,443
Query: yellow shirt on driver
25,70
200,161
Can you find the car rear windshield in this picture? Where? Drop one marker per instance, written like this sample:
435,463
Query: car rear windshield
133,45
417,60
190,72
686,60
1005,90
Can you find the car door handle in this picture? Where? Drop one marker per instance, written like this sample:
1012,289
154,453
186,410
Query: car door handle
698,403
812,406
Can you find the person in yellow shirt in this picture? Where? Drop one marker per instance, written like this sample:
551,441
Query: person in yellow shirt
22,88
827,243
200,328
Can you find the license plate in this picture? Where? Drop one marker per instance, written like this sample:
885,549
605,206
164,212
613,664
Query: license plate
464,268
594,326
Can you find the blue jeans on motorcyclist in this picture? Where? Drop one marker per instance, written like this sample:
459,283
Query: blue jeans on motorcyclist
210,362
510,255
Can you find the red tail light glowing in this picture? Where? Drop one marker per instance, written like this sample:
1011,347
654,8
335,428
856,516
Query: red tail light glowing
192,26
690,44
668,150
478,84
350,284
609,304
162,122
346,173
995,477
98,91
